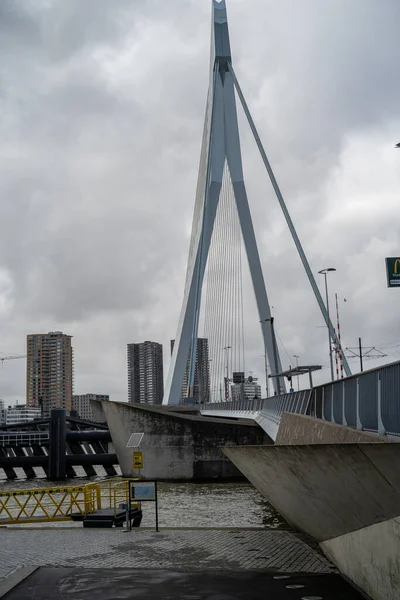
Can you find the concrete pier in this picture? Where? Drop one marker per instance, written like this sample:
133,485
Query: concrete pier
178,445
346,496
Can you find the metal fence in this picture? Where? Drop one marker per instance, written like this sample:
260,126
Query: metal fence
369,401
23,438
266,412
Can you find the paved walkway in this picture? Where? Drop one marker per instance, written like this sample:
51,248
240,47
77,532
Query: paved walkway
63,583
185,550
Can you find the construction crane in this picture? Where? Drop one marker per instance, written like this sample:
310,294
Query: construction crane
11,357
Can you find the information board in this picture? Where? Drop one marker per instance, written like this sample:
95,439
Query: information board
143,491
393,271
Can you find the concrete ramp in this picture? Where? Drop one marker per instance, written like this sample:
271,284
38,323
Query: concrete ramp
302,429
326,490
345,496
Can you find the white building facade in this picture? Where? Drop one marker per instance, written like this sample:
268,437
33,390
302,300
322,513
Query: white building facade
82,404
21,414
248,390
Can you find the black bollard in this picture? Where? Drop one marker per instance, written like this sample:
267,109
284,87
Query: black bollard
57,445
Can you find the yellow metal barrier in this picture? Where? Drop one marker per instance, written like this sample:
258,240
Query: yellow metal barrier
40,505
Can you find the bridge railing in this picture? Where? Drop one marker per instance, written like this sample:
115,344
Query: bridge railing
297,402
369,401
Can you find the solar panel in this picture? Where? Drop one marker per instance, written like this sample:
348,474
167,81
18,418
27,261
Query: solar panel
134,440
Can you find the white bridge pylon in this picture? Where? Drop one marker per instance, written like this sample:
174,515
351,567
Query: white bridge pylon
221,144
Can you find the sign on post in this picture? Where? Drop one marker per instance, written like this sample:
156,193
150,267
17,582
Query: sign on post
144,491
138,460
393,271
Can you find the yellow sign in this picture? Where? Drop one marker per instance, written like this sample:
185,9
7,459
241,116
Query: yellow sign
138,460
397,262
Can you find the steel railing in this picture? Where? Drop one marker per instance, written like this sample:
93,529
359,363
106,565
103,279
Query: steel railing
22,438
367,401
297,402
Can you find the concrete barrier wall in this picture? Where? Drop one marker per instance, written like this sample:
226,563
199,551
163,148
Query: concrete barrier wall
370,557
98,412
346,496
301,429
325,490
177,446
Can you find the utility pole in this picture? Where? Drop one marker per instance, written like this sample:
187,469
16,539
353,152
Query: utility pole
365,352
296,356
325,272
226,349
266,373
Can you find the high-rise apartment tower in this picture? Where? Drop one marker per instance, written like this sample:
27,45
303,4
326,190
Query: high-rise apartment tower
201,392
145,373
49,377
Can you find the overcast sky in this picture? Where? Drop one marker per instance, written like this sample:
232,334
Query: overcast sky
102,105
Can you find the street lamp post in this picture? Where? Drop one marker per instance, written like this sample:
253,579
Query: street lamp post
266,373
227,373
296,356
325,272
271,320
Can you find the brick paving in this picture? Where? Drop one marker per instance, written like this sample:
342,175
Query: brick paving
184,550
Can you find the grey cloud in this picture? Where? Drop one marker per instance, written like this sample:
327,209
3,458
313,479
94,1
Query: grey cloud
102,109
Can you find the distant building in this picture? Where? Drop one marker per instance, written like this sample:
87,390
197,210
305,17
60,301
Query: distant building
3,413
82,404
21,414
201,373
49,366
145,373
248,389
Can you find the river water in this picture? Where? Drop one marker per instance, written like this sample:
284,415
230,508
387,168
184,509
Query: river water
188,504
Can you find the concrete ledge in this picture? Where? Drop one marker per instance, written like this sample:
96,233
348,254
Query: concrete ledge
325,490
302,429
14,578
370,557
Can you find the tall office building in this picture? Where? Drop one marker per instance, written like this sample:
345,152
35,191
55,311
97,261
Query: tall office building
245,388
201,373
83,406
145,373
49,377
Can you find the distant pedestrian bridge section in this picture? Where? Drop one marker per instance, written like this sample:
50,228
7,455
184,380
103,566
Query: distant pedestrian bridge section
368,401
266,412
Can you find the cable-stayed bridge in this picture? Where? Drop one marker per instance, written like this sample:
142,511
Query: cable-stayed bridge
222,242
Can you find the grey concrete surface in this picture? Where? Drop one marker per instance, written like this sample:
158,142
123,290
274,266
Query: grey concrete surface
98,412
177,446
301,429
192,550
370,557
107,584
325,490
14,578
